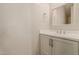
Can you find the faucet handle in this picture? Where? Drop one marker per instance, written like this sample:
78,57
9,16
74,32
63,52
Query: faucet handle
64,32
60,31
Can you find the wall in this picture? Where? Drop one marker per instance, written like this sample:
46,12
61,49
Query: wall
1,29
39,22
20,25
16,29
75,19
43,13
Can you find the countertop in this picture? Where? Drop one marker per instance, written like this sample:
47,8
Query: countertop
74,37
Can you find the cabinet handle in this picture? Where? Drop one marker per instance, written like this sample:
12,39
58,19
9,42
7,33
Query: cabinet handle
51,42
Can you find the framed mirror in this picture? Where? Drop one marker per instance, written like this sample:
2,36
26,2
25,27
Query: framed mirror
61,14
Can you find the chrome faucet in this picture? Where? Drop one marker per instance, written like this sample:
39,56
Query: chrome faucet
60,31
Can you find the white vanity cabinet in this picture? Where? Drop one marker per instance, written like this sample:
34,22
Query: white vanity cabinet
64,47
57,46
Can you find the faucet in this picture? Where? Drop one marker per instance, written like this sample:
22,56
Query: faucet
60,31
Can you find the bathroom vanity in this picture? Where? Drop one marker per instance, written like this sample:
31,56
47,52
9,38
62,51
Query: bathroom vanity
52,43
62,17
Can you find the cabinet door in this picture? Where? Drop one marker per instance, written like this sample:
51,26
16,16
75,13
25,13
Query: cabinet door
45,48
65,47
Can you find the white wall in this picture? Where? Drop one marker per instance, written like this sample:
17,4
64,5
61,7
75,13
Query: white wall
75,19
16,29
20,25
1,29
39,22
43,13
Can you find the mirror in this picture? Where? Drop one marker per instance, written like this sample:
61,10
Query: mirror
61,13
68,13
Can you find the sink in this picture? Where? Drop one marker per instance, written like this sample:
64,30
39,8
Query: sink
72,35
72,32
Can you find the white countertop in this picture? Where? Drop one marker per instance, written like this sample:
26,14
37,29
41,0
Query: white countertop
74,37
